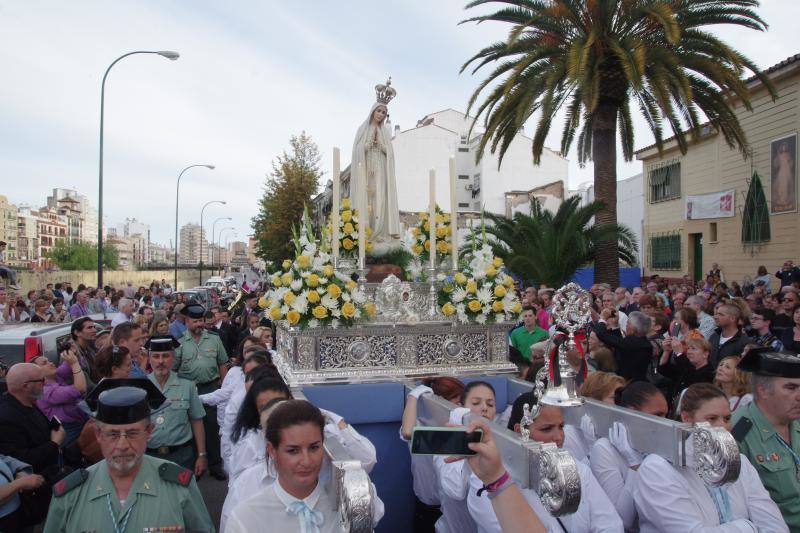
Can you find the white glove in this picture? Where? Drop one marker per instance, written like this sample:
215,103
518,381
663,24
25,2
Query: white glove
331,417
587,428
618,435
457,415
419,390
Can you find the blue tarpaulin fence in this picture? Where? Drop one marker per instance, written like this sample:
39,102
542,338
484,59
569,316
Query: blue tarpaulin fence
628,277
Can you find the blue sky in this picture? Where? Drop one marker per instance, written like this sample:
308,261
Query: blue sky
251,74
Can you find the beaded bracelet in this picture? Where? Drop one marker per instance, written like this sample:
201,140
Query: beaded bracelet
493,487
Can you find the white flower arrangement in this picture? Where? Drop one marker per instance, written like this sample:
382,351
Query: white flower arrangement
482,293
348,231
309,292
417,242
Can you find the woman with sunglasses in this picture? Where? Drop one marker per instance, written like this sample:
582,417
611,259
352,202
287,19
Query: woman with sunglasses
60,401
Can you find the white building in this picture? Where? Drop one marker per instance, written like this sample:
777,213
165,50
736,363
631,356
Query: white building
87,229
439,136
630,205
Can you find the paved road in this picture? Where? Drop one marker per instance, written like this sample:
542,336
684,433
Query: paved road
214,495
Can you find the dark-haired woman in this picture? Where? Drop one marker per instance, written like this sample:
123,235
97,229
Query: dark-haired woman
673,499
248,445
614,461
595,514
791,335
429,507
297,501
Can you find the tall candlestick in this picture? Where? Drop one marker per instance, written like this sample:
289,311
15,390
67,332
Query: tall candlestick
453,214
363,215
335,208
432,216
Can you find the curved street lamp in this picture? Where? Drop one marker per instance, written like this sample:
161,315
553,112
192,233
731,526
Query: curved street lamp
201,237
219,237
213,240
172,56
177,194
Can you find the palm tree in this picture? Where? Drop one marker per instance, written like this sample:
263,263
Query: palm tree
600,57
542,247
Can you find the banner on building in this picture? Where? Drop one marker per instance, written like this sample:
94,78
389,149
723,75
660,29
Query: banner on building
712,205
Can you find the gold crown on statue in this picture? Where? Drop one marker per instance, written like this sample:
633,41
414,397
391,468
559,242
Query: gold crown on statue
385,92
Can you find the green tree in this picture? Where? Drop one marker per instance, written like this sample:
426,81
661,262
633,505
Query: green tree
546,247
598,58
82,256
294,179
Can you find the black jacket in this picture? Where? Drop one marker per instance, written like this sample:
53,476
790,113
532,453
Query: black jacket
789,344
25,434
632,354
734,346
683,373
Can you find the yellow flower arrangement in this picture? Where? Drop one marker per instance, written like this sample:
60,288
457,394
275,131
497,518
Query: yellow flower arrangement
499,291
327,271
275,313
348,244
347,215
293,317
497,262
348,228
345,203
287,263
276,281
334,290
448,309
312,280
319,312
460,278
497,306
474,306
472,286
286,278
289,298
370,309
313,297
304,261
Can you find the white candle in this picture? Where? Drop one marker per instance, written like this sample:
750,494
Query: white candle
363,217
432,216
453,214
335,208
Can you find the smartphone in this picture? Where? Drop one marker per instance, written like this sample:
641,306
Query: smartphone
450,441
55,423
676,329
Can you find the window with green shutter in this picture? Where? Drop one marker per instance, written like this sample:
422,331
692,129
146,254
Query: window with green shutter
665,251
755,217
664,182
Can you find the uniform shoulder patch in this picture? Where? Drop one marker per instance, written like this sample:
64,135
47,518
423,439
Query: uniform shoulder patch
741,429
175,474
70,482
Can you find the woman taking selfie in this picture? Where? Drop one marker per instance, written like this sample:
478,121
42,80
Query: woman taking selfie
673,499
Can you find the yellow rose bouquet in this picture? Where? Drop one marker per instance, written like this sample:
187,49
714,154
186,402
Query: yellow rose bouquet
418,243
348,231
483,292
310,293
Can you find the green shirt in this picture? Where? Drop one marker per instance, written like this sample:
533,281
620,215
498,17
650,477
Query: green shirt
522,339
774,463
152,502
199,361
173,424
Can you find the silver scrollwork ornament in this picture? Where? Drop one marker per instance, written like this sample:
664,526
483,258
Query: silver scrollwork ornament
559,481
355,499
716,455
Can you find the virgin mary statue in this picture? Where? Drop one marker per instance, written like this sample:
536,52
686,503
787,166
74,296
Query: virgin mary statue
374,158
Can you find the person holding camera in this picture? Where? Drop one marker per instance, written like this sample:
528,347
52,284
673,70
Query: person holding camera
59,401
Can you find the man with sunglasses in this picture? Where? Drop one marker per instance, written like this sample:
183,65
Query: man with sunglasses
128,490
25,432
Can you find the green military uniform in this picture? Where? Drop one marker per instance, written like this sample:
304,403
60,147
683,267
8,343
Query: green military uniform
163,497
777,467
172,438
522,339
199,361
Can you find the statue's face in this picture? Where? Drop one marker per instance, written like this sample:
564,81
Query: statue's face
379,114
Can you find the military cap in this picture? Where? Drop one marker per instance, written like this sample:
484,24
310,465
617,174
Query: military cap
766,362
161,343
194,310
124,401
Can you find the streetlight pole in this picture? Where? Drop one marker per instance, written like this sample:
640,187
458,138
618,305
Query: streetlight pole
223,230
201,236
177,194
213,239
172,56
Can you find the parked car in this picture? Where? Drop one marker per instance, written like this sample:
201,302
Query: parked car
22,342
192,294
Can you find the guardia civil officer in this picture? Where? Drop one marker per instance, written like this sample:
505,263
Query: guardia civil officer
128,490
201,358
768,429
178,428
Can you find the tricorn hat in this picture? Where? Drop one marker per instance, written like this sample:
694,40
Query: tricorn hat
124,401
194,310
766,362
162,343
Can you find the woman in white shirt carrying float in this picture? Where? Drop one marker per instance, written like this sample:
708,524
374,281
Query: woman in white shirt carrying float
673,499
297,501
614,461
595,514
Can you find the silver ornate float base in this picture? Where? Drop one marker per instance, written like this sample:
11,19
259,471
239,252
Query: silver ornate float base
378,351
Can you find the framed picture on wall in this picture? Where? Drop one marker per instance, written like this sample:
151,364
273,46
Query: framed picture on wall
783,175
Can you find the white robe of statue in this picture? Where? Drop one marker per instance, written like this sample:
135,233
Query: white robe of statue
372,152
